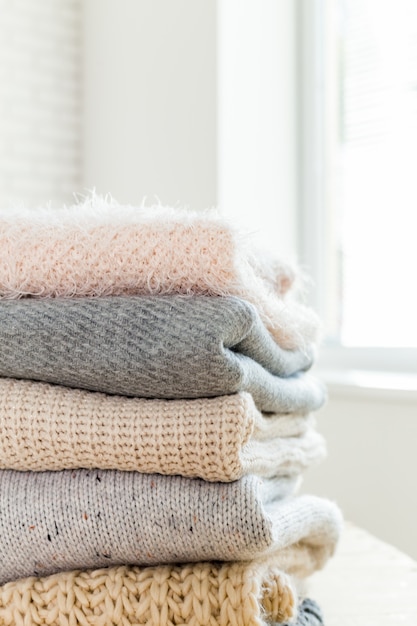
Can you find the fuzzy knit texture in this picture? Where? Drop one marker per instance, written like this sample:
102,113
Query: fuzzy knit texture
49,427
56,521
100,248
155,347
201,594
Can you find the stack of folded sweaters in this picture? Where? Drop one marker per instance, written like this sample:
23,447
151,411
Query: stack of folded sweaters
155,418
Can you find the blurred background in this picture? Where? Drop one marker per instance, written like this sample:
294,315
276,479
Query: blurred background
298,119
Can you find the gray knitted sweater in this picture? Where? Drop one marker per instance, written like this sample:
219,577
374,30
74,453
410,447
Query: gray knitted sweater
155,346
53,521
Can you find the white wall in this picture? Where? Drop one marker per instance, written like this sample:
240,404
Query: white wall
150,100
40,101
257,119
372,464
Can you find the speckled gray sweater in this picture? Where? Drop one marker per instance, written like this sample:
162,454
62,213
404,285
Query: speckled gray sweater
55,521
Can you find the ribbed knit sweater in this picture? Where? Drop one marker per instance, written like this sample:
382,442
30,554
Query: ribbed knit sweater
49,427
55,521
100,248
155,346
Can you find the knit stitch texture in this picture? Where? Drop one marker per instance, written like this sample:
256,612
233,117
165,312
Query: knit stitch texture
157,347
309,614
49,427
55,521
201,594
100,248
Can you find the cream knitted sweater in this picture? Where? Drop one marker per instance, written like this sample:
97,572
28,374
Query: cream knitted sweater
200,594
100,248
49,427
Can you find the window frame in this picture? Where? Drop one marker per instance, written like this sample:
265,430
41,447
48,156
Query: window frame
316,231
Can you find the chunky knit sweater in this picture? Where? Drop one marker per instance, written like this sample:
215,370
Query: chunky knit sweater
100,248
49,427
200,594
55,521
155,346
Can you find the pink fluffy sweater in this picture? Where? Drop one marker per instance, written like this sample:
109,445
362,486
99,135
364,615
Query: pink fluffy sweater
99,248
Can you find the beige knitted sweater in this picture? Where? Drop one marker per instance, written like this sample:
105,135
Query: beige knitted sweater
49,427
199,594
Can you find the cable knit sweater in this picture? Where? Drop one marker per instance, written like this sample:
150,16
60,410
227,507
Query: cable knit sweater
55,521
201,594
49,427
155,346
100,248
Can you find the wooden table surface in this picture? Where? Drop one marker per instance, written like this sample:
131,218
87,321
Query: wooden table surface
367,583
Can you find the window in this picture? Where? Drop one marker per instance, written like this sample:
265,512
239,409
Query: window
358,148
